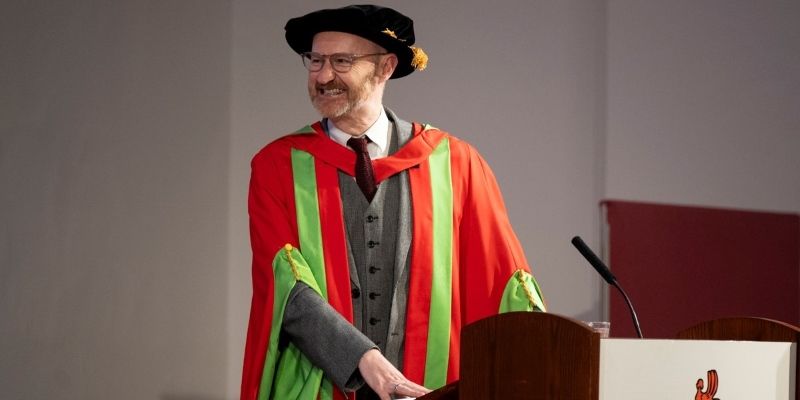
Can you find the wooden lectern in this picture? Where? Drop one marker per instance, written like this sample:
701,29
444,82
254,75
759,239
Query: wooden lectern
522,355
546,356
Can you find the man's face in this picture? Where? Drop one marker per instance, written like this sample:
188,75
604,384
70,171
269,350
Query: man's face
337,94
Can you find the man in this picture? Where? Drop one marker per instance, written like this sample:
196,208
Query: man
374,240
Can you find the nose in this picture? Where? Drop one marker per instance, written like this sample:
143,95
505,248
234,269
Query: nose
326,74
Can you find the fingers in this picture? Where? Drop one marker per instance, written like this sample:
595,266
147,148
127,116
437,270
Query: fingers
409,389
384,379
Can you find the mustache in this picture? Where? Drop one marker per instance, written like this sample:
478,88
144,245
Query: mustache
332,85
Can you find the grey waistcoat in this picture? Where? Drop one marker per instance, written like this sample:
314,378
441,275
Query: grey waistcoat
379,238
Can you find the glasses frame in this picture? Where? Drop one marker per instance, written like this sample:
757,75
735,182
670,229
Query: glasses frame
352,58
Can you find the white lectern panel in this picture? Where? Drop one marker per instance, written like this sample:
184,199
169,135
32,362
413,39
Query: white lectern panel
671,370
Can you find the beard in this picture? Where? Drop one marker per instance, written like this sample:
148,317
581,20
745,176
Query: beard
335,99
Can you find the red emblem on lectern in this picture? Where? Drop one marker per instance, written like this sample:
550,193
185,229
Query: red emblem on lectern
711,390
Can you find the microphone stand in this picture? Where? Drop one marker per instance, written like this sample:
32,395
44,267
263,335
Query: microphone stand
604,272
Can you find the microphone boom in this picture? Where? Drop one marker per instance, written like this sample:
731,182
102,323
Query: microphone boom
603,270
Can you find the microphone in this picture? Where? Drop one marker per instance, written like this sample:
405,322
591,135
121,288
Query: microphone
603,270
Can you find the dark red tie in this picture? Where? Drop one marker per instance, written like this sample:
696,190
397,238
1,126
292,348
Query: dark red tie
364,176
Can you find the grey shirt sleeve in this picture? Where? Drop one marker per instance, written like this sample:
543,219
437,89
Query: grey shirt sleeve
325,337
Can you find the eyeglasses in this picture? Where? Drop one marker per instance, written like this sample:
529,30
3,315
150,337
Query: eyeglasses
341,62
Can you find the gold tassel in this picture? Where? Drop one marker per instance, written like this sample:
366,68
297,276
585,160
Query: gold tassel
520,275
420,60
288,250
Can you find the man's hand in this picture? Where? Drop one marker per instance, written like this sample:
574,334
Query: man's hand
385,379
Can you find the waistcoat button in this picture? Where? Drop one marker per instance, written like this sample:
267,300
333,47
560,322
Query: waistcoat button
372,244
373,269
373,295
374,321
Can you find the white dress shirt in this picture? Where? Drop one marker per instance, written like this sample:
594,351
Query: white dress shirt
378,134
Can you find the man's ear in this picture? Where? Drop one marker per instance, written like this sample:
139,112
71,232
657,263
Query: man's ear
388,66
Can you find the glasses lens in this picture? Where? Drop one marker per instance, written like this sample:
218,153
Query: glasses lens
342,62
312,61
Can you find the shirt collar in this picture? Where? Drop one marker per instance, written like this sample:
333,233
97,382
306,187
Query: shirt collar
378,133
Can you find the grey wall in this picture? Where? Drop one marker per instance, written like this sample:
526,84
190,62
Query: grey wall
113,230
704,103
127,130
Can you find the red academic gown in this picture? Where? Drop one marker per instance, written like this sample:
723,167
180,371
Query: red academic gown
466,262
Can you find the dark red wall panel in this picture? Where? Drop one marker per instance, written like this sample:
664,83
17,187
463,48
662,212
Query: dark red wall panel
684,265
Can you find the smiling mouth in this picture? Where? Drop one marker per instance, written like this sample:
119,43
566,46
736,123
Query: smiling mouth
330,92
